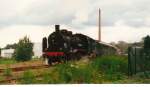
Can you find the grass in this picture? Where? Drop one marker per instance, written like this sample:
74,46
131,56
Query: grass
7,72
110,64
28,77
7,61
112,67
101,70
72,74
1,78
105,69
50,77
13,61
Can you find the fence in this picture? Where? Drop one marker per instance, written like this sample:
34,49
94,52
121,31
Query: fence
138,61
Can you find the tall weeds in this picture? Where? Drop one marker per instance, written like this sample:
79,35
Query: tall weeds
113,67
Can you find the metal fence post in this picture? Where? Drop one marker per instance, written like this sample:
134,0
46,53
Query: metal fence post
129,62
135,61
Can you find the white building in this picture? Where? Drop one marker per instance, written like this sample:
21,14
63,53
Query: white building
37,50
7,53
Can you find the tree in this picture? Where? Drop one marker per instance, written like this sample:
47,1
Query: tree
146,56
23,51
147,43
123,46
112,43
10,46
0,52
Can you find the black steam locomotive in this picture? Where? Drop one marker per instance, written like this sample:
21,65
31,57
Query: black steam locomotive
62,45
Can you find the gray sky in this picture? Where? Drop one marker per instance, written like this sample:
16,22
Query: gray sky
126,20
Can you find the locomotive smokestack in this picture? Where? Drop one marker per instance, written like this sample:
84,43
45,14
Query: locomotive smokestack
57,28
99,26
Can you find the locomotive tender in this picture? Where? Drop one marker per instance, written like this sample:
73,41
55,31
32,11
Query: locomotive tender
62,45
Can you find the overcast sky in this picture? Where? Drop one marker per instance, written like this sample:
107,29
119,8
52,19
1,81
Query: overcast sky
126,20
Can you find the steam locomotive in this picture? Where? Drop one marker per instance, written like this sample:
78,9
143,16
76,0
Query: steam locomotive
62,46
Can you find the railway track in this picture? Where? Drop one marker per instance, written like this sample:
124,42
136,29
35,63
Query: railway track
9,79
23,68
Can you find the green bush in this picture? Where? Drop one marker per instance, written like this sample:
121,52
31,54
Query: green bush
65,72
27,77
23,51
48,77
71,74
113,67
146,54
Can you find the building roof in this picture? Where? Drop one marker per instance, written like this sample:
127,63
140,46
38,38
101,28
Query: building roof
104,43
